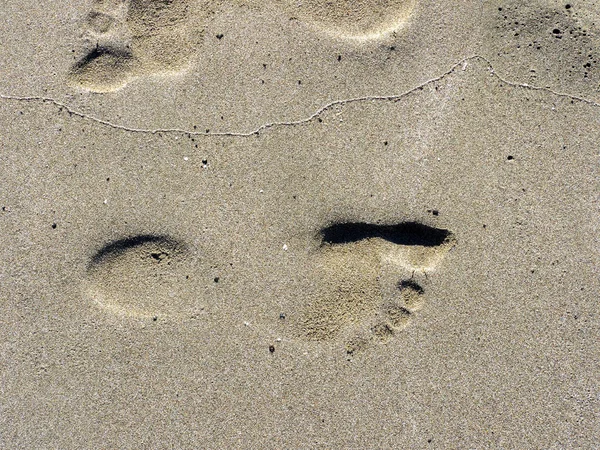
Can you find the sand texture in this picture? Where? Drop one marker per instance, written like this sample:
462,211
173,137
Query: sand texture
300,224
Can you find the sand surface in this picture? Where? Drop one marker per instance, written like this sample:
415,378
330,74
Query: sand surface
317,224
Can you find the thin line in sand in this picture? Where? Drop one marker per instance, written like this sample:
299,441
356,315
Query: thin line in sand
311,117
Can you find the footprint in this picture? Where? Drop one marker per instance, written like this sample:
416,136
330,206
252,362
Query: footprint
100,23
104,69
396,313
144,276
357,19
127,39
361,299
163,32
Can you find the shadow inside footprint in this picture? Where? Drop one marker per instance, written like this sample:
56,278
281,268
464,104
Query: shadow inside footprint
417,247
143,275
118,248
407,233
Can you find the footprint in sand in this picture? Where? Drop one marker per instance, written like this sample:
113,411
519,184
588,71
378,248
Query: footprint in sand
143,276
364,298
356,19
127,39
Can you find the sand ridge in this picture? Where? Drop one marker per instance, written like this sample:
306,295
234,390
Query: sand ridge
463,64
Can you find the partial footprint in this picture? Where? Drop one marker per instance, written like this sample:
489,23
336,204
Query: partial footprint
349,289
131,38
104,69
108,62
357,19
361,299
391,318
165,33
143,276
100,22
127,39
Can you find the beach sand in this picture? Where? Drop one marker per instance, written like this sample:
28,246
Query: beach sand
281,224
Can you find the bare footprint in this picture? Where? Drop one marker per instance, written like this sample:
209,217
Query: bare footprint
164,33
142,276
393,316
357,19
127,39
361,300
104,69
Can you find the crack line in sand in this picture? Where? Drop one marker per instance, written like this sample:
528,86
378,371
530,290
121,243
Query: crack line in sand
313,116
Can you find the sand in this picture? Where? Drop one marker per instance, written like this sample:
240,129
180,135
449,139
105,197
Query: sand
308,224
